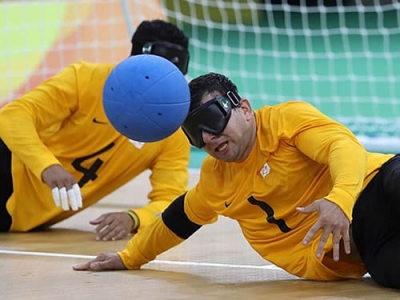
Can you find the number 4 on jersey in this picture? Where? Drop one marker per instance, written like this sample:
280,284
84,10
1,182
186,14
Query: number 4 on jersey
90,173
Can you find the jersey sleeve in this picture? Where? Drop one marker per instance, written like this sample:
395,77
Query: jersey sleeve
164,233
147,244
23,119
197,199
184,216
330,143
169,177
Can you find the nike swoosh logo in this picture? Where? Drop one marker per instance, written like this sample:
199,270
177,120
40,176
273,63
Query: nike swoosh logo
227,204
98,122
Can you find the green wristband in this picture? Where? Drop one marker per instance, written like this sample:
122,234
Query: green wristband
135,218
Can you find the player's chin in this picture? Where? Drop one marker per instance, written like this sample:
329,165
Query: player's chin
228,155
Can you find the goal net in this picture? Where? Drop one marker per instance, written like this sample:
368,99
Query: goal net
344,57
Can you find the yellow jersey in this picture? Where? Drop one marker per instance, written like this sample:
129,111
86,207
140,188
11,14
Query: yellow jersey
299,156
62,121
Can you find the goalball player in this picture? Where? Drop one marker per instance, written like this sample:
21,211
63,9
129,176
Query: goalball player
59,154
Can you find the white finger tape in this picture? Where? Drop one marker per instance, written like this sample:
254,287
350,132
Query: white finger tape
64,199
56,196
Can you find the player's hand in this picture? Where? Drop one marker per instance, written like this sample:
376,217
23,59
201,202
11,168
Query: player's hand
65,190
103,262
332,220
112,226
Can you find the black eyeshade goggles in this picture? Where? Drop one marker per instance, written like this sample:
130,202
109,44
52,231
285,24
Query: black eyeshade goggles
212,117
175,53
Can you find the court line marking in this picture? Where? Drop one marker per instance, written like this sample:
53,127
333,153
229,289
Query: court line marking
165,262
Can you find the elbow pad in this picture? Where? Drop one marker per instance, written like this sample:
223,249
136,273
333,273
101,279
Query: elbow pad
176,220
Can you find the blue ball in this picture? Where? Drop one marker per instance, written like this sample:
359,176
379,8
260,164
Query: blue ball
146,98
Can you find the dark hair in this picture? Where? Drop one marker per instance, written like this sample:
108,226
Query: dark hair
209,83
157,30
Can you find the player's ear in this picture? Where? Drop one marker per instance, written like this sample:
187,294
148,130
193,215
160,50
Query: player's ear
246,107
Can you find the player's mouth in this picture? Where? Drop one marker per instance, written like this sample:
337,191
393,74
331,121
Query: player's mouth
221,148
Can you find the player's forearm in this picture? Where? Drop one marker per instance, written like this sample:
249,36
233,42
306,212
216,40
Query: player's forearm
169,174
348,167
147,244
338,148
169,180
164,233
17,130
148,213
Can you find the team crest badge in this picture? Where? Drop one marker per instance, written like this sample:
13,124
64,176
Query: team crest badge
265,170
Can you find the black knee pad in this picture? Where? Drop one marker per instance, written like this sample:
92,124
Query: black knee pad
384,264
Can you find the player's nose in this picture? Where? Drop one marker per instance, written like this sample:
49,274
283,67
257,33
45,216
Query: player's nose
208,136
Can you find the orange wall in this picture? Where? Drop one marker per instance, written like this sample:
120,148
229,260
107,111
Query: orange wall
84,33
